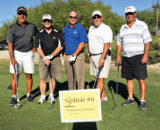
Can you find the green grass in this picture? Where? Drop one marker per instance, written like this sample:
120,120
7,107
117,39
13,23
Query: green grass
37,117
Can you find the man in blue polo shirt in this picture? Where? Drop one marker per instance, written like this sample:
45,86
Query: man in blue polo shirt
75,37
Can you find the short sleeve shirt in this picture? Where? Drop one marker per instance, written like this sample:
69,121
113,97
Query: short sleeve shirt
97,37
22,37
49,42
73,37
133,39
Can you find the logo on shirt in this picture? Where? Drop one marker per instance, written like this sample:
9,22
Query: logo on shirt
54,37
75,32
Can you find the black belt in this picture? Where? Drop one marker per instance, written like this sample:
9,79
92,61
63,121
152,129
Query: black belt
109,53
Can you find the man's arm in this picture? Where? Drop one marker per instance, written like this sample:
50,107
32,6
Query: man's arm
89,55
118,55
57,51
104,54
79,49
10,49
146,52
46,61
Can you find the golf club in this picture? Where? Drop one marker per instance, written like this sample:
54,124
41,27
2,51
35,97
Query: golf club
50,78
97,76
72,74
115,102
18,105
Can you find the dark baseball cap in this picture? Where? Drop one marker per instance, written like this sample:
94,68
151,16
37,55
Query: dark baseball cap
22,8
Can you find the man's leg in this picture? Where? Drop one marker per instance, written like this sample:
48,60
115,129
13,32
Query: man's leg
52,89
100,85
42,85
130,100
130,88
142,85
13,85
69,72
29,82
79,70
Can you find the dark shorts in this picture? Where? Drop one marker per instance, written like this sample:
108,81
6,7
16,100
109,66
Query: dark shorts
56,71
133,68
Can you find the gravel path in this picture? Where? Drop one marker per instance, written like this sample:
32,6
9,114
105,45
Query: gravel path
5,55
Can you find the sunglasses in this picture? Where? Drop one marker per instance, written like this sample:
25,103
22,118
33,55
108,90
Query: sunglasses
72,17
130,13
47,20
22,12
96,17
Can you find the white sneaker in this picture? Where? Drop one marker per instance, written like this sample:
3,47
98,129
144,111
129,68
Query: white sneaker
41,100
105,99
52,99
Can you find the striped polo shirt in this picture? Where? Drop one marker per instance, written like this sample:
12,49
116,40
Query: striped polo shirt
133,39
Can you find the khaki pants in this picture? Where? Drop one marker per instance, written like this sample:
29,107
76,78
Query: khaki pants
75,72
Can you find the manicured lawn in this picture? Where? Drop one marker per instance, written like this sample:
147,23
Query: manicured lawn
37,117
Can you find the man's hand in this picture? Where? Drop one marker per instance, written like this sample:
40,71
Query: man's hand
89,58
144,59
47,62
48,57
72,58
13,62
118,60
34,50
101,63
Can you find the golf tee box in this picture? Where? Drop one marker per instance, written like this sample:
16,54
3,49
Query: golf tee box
80,105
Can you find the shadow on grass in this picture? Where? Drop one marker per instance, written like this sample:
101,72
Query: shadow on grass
91,84
122,90
85,126
59,87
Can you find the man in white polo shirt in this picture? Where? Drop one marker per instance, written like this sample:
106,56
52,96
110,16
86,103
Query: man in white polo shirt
134,40
99,40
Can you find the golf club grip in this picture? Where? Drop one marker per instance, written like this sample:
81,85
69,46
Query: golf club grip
99,70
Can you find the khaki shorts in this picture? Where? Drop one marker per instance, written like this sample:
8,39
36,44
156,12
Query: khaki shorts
56,70
94,66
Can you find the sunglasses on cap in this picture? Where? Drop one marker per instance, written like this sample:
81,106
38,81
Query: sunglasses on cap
72,17
96,17
22,12
47,20
130,13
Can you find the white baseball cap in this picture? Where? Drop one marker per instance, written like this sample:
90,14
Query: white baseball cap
47,16
96,12
130,9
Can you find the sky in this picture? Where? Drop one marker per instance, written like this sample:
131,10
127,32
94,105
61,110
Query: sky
8,7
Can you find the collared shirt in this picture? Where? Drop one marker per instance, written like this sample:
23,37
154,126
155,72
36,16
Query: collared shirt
97,37
49,42
133,39
73,37
22,36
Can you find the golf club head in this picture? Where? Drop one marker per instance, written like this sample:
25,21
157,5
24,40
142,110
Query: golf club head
114,108
50,107
17,99
17,106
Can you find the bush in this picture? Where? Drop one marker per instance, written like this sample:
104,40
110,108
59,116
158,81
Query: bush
154,55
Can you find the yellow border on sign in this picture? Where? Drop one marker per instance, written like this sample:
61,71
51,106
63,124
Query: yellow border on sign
80,105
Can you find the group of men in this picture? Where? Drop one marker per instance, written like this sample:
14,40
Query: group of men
134,40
